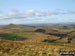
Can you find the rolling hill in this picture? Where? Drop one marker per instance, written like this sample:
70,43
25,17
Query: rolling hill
23,40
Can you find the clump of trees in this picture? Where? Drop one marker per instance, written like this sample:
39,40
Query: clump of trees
40,30
74,26
48,40
65,27
69,40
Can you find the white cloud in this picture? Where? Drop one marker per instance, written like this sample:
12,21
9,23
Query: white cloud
71,12
31,16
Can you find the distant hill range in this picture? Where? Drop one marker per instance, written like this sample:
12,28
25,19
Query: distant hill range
50,24
43,24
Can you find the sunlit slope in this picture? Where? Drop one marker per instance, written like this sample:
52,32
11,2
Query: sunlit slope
28,36
37,37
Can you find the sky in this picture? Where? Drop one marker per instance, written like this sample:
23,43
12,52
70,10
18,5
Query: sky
36,11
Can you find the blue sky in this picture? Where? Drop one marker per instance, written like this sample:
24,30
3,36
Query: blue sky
36,11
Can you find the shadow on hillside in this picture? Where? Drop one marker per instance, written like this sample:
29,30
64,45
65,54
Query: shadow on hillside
48,40
58,34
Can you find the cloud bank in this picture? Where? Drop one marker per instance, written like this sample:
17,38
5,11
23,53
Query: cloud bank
33,16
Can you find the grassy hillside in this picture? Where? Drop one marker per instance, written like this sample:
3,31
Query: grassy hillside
10,48
20,27
28,36
20,40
